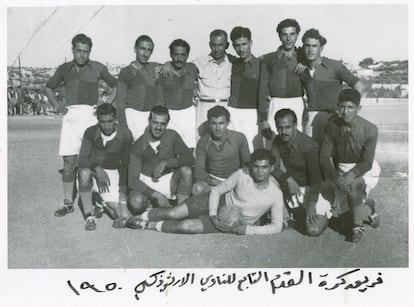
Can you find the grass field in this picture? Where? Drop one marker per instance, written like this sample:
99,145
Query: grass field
37,239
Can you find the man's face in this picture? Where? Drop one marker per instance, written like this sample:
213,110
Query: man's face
286,128
81,53
261,170
179,57
157,125
218,127
218,46
313,49
107,124
243,47
144,51
348,110
288,37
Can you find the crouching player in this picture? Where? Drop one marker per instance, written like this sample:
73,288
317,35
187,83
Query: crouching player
254,193
297,169
347,158
103,162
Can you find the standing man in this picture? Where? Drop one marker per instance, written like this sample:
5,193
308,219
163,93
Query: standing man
137,92
322,82
301,177
80,79
219,153
254,193
153,159
347,159
214,75
177,91
280,85
103,164
245,75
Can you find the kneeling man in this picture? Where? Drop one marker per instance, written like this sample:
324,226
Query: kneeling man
254,192
154,158
103,162
347,158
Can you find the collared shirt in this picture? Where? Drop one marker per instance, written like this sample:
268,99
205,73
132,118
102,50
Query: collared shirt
220,161
278,77
112,155
136,86
301,160
213,79
143,158
245,84
323,88
81,83
176,92
349,143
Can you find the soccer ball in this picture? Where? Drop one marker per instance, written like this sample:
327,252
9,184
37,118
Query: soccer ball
230,216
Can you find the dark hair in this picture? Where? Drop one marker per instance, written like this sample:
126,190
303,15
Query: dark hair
179,43
286,23
239,32
218,111
218,32
349,94
262,154
143,38
159,110
313,33
284,112
82,39
105,109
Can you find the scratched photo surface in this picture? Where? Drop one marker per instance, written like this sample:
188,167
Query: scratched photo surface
38,38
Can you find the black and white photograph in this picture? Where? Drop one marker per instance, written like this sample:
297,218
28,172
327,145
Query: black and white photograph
197,145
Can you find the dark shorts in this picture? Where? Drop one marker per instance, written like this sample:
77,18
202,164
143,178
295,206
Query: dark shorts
198,209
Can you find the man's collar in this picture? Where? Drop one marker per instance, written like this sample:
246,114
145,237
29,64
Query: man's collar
74,66
211,59
280,52
146,139
98,133
225,138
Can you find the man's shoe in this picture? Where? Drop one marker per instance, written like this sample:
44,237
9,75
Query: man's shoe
358,233
90,223
135,222
66,208
373,219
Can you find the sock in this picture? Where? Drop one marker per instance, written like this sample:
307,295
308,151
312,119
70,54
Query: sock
158,226
86,198
68,190
144,216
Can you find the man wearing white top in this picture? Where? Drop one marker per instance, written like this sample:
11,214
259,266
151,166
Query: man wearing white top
254,193
214,76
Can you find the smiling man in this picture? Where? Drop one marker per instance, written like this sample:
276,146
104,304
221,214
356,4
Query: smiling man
80,79
280,85
137,91
103,163
177,90
347,159
153,159
254,193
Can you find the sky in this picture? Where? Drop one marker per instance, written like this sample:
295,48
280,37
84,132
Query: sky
354,32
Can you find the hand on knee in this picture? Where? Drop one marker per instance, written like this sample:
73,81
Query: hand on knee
316,228
85,179
200,188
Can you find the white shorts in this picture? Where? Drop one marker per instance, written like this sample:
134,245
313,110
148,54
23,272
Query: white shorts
201,115
113,194
371,177
137,121
78,118
163,185
296,104
184,122
244,121
323,206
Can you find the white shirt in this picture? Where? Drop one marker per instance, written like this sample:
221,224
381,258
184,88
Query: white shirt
214,79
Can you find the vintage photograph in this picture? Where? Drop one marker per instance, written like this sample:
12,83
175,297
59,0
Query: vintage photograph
207,136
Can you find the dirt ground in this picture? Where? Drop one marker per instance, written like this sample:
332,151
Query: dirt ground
37,239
